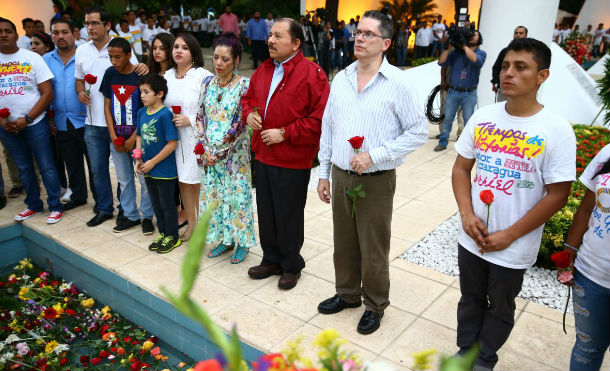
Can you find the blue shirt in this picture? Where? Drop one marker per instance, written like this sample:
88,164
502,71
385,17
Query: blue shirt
65,100
256,30
155,131
278,75
464,73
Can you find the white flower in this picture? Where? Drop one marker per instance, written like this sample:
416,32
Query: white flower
26,277
11,339
61,348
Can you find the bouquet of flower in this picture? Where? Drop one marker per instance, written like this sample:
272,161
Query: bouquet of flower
575,45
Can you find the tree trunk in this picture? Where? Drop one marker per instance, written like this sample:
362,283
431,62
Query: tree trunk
333,7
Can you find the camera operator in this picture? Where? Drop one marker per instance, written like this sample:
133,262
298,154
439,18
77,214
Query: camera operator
466,60
520,33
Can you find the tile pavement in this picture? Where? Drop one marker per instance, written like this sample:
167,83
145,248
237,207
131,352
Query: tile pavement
423,302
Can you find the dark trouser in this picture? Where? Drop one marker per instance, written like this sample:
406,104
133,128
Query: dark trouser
421,51
486,310
72,147
362,242
325,58
259,53
281,194
59,163
161,193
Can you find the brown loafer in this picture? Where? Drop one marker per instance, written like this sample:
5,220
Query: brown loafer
260,272
288,280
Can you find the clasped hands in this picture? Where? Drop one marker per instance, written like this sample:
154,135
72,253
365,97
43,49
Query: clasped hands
268,136
474,227
359,163
14,127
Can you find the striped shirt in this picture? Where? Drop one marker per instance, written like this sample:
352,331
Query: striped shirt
386,112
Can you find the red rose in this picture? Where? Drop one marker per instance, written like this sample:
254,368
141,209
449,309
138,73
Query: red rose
49,313
199,150
70,312
561,259
176,109
356,142
487,196
104,354
63,361
90,79
84,360
209,365
96,360
137,366
5,113
127,339
119,141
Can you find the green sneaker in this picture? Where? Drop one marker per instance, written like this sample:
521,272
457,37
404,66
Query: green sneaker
168,244
155,244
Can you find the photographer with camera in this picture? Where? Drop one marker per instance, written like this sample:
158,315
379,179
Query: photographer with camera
466,60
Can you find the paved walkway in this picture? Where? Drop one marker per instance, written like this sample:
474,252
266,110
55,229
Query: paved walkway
422,313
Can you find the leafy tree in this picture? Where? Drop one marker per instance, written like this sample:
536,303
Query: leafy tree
411,10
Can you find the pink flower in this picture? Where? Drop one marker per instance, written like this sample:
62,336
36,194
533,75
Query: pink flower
137,153
154,351
565,276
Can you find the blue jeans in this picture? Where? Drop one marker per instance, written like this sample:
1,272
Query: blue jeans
123,165
98,147
437,45
401,56
592,319
35,140
455,100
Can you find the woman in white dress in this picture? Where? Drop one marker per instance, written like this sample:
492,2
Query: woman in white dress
184,87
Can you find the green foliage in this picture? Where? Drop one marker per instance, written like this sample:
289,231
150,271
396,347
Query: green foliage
420,61
411,10
604,92
589,141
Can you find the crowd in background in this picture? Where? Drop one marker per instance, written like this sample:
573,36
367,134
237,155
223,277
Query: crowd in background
598,39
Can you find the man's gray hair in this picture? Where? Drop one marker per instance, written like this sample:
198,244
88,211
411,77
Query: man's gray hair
386,27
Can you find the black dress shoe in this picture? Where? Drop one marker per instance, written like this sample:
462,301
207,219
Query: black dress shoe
98,219
72,204
336,305
369,322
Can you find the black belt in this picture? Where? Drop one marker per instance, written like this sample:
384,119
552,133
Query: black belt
353,173
464,90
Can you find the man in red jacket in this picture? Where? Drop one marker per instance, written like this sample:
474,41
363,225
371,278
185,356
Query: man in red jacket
284,105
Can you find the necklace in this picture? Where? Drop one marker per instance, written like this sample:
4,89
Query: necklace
220,85
185,72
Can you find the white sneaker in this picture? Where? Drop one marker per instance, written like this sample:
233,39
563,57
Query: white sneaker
66,195
55,217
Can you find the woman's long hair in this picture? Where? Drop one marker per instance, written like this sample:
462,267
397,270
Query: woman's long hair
194,48
167,40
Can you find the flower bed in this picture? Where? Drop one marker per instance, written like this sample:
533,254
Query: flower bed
589,141
577,47
48,324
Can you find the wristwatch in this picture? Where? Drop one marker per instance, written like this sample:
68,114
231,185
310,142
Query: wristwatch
28,119
283,131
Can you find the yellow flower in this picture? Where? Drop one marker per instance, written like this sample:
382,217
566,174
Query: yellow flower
51,345
147,345
293,351
22,291
36,280
25,263
423,359
106,312
59,309
328,338
13,325
87,303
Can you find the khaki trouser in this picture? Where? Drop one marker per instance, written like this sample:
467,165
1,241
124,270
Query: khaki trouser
362,243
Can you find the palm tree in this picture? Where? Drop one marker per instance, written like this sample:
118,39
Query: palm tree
410,10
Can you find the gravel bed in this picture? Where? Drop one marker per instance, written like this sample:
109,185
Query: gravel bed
438,251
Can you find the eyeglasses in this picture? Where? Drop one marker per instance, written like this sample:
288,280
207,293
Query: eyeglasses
368,35
94,24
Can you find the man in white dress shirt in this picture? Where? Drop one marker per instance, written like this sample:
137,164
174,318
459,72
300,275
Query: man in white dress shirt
370,98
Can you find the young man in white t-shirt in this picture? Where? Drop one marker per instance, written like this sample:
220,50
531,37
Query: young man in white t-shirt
525,156
598,36
438,35
26,90
136,34
29,29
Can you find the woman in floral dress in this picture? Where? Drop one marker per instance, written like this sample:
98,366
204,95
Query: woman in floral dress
226,177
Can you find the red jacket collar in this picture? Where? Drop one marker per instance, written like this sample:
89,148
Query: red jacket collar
288,65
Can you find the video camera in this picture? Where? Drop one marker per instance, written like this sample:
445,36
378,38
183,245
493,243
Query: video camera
458,37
